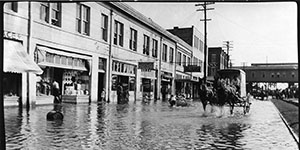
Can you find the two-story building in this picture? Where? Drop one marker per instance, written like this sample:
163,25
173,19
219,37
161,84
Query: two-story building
88,47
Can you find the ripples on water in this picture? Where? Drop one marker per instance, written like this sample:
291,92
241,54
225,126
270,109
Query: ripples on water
133,126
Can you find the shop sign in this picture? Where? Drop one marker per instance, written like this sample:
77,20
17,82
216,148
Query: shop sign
11,35
123,67
192,68
146,65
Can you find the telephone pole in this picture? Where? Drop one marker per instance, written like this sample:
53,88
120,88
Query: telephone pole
228,47
204,5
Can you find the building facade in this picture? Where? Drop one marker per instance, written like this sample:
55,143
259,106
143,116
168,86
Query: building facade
89,47
217,59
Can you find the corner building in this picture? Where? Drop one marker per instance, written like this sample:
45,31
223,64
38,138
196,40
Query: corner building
88,47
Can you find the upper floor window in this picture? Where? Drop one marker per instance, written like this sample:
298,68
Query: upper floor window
118,33
14,6
178,58
104,26
188,60
201,46
164,53
133,39
146,46
83,19
171,54
154,48
51,13
196,41
184,60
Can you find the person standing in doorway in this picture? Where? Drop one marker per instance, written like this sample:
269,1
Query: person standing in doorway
56,92
119,93
103,94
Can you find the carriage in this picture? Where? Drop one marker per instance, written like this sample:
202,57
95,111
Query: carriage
229,87
236,85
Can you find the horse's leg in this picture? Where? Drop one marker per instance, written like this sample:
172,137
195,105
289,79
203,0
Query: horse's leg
204,103
231,109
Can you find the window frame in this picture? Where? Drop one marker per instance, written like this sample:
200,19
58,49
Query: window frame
164,53
133,39
83,19
47,11
146,45
104,27
154,48
171,55
118,33
178,58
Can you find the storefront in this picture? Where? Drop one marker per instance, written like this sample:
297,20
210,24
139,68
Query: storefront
16,62
71,71
183,85
166,85
148,80
123,74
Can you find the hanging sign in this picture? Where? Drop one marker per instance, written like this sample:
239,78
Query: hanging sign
192,68
146,65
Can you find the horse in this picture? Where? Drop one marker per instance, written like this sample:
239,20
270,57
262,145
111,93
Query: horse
207,96
225,94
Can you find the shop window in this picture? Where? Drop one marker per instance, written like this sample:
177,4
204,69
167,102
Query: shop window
164,53
133,39
171,54
83,19
154,48
118,33
104,26
146,45
51,13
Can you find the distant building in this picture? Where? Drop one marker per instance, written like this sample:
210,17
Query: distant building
217,59
271,72
190,52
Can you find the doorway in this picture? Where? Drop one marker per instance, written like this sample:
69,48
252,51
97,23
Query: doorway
101,84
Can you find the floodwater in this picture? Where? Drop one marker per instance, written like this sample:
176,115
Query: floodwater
142,126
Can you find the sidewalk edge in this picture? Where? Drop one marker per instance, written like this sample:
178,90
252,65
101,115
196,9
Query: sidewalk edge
296,138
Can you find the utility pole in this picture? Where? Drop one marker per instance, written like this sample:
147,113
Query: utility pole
205,34
228,47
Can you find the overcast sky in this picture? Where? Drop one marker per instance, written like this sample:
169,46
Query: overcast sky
260,32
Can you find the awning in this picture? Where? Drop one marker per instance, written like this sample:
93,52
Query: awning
56,58
16,59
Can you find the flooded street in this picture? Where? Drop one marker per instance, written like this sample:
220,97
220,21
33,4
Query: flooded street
147,126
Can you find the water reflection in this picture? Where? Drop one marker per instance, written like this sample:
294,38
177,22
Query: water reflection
138,126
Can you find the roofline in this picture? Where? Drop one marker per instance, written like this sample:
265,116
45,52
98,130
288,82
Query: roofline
139,16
